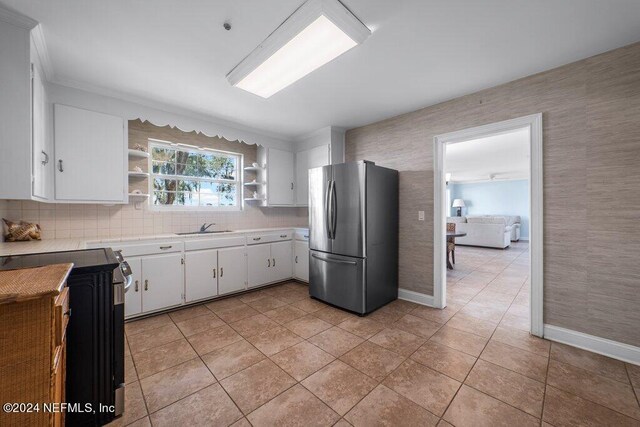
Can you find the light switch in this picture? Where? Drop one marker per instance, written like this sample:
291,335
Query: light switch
420,215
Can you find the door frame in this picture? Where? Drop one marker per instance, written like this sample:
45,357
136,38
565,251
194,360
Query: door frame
534,123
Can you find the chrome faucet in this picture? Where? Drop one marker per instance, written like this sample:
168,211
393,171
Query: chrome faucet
204,226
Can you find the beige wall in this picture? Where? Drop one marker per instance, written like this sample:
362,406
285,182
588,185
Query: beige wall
591,119
96,221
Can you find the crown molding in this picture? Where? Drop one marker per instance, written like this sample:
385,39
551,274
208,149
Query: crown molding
17,19
42,51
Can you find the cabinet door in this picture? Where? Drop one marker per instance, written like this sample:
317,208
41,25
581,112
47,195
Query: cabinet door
133,297
281,261
42,157
259,265
305,160
302,178
232,270
163,279
201,275
280,177
89,155
301,260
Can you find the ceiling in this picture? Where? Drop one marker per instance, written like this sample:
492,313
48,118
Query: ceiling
500,157
421,52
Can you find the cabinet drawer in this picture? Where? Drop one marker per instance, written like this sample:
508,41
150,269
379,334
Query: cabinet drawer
301,235
61,316
139,249
222,242
273,236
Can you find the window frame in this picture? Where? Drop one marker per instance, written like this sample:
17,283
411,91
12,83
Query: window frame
239,181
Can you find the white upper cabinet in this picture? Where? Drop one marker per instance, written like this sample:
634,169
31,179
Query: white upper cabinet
22,112
305,160
90,156
280,180
42,161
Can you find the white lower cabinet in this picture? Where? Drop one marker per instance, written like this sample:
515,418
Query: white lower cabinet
133,297
232,270
162,281
214,272
259,264
301,260
269,262
201,275
281,261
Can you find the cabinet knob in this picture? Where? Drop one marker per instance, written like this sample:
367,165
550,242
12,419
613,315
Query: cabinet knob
221,271
146,285
268,262
256,238
60,168
283,236
137,285
214,273
296,259
274,262
46,158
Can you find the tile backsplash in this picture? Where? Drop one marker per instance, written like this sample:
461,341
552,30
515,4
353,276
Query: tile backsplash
63,221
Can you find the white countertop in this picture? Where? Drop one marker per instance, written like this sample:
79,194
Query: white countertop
57,245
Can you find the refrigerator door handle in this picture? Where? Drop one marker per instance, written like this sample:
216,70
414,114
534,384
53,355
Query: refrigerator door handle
327,216
334,209
337,261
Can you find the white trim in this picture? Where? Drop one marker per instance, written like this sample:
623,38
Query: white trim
614,349
296,22
16,18
42,52
534,123
416,297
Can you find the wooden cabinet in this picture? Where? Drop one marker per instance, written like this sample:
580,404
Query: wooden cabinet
90,156
232,270
162,281
280,179
35,313
301,260
305,160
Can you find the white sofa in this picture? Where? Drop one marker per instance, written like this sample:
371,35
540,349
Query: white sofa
493,231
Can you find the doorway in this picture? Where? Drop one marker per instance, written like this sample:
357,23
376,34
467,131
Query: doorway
533,124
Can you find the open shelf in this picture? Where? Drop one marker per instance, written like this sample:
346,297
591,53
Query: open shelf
138,154
134,174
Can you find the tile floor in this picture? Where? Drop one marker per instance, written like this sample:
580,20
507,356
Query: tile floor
276,357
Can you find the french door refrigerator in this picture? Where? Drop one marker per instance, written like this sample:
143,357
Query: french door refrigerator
353,235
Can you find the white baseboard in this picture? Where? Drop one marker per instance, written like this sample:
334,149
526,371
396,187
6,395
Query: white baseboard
609,348
416,297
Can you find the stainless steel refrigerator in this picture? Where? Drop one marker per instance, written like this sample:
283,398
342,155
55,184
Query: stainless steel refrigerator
353,235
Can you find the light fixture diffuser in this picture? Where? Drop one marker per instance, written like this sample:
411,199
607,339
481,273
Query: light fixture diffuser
318,32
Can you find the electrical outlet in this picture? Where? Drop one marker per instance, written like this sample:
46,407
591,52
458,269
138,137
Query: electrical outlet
420,215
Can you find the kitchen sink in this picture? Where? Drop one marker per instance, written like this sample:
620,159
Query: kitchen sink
203,232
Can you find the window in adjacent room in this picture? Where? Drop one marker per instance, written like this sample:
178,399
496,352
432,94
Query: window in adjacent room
186,177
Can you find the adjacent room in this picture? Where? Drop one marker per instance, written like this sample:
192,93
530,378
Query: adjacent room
319,212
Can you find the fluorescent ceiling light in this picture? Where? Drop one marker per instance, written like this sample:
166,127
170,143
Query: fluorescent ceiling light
318,32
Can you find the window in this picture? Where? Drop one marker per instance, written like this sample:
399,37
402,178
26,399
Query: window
189,177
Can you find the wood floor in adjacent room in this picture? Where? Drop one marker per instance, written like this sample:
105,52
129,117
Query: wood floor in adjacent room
277,357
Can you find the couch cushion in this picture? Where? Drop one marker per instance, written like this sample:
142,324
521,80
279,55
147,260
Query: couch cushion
457,219
486,220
